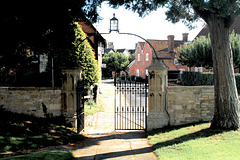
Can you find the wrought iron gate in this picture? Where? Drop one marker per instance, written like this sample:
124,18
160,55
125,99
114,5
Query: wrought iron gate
80,105
131,103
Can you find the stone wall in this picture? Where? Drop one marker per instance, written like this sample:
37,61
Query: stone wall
189,104
176,105
32,100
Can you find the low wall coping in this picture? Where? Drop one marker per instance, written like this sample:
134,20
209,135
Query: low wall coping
31,88
190,87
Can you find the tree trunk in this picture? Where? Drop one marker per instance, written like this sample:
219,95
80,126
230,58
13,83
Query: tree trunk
226,96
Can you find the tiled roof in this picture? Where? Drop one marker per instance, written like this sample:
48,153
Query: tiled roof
107,50
235,26
162,45
90,30
131,51
120,50
141,44
159,45
170,65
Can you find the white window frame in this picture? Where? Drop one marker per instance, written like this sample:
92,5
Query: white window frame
147,56
137,72
175,61
138,57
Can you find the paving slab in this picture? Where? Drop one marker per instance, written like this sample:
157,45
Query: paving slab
122,145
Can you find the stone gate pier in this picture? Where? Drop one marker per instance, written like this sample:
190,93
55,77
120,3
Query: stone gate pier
176,105
157,115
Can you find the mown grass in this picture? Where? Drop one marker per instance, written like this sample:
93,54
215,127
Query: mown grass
195,142
20,132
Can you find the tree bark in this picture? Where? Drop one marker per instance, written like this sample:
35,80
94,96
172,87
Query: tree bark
226,114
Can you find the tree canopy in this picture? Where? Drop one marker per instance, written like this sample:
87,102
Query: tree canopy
198,53
115,61
43,27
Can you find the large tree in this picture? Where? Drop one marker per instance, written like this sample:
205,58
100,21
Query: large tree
115,61
219,15
198,53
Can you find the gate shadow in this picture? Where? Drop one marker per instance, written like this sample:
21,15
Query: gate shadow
125,137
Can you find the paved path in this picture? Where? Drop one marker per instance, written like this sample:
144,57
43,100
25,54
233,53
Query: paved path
116,146
104,120
105,143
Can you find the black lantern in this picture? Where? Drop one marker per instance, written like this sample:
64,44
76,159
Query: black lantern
113,24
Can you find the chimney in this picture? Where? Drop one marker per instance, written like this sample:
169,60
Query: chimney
171,42
185,37
110,45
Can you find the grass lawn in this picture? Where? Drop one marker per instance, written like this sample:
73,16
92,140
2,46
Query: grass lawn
20,132
195,142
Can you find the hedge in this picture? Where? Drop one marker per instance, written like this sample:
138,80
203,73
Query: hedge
202,78
196,78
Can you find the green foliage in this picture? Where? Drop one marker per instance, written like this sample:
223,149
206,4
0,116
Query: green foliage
187,11
48,28
115,61
131,57
198,53
195,142
201,79
86,58
196,78
235,44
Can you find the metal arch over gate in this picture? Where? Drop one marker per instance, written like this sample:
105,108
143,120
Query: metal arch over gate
131,100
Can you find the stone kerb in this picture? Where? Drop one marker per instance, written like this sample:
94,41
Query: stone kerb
157,116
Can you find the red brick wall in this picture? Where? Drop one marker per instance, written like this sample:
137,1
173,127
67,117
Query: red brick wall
142,64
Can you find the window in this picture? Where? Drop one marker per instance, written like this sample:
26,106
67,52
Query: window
146,72
137,74
138,57
147,57
175,61
198,69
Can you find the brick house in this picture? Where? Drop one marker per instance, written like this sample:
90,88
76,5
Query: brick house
164,48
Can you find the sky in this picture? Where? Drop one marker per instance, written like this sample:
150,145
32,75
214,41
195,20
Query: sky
152,26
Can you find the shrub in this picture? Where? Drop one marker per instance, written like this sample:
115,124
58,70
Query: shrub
201,79
196,78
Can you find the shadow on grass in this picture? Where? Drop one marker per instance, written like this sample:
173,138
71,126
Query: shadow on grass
23,132
202,133
59,155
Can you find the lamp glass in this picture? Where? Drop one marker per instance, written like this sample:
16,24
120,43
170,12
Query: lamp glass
114,24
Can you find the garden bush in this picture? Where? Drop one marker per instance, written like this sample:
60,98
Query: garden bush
196,78
202,79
